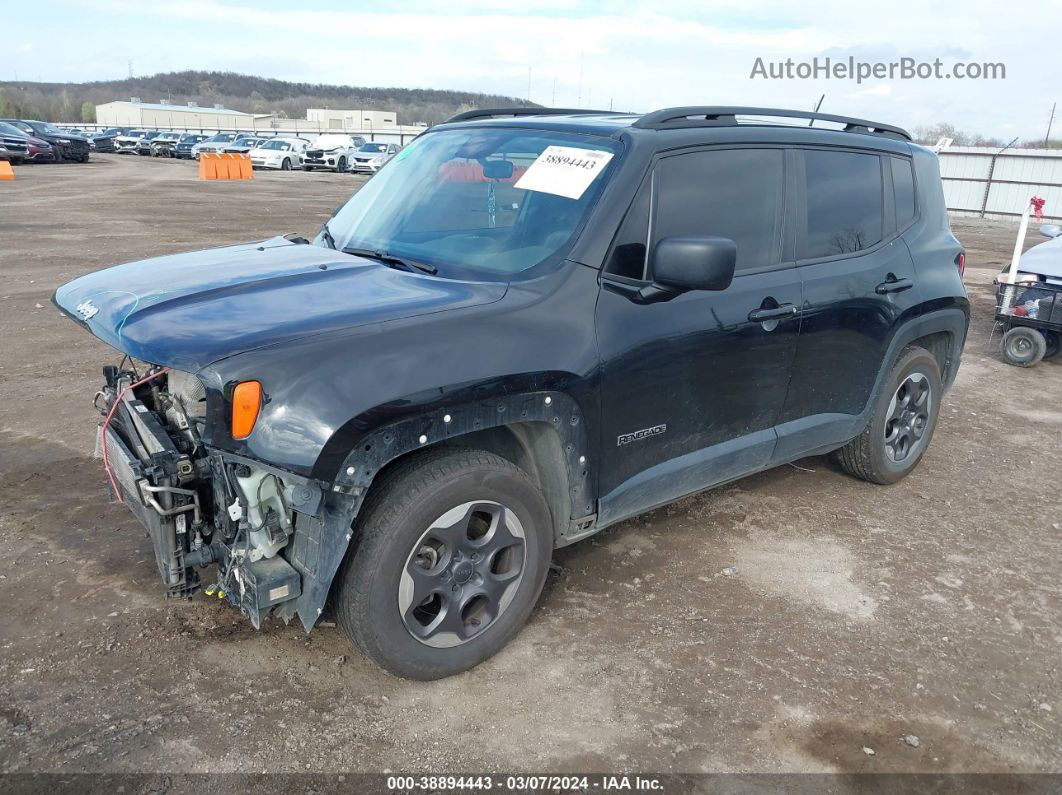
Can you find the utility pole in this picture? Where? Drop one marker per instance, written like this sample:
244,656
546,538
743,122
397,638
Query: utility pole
529,84
1050,121
130,68
552,104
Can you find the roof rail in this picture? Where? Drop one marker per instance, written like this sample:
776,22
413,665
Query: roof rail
725,116
493,113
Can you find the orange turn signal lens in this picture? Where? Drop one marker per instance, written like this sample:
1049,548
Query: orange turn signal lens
246,401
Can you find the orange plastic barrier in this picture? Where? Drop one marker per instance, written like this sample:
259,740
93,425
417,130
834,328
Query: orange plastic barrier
221,166
6,172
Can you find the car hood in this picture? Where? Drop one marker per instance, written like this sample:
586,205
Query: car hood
189,310
1044,259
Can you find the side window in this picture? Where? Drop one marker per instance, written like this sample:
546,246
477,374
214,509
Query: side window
628,257
903,190
733,193
844,202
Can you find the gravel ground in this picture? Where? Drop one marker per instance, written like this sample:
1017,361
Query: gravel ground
794,621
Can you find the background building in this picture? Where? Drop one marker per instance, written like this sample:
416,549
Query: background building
191,116
333,119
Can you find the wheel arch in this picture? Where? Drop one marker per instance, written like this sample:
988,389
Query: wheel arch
544,433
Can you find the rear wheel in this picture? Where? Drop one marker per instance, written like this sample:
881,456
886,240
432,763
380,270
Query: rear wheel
901,424
452,550
1023,346
286,165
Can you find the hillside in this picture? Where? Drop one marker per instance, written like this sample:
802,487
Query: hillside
75,102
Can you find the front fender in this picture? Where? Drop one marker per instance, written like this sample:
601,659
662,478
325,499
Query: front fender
321,542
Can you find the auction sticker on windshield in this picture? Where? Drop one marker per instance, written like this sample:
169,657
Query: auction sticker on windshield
564,171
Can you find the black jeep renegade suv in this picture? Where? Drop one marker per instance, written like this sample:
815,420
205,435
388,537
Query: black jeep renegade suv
529,325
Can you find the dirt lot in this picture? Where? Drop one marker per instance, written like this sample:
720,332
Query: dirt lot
857,614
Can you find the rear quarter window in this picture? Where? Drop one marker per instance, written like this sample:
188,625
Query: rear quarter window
903,190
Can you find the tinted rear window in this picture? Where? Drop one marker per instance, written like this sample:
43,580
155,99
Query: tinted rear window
844,202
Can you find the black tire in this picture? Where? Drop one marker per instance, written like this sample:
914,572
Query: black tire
341,165
285,165
1053,341
393,529
1023,346
58,155
307,168
871,456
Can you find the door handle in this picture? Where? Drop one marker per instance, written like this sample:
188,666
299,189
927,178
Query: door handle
893,285
774,313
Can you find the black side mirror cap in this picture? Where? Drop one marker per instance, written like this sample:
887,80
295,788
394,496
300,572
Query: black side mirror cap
694,263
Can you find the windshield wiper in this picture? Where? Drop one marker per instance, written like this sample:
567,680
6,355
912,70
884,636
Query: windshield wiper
392,261
327,235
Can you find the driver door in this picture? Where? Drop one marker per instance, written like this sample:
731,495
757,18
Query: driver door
692,387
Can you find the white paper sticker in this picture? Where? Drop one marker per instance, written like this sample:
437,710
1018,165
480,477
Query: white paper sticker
564,171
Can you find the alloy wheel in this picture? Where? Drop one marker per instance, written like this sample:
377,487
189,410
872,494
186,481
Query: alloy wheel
462,574
908,417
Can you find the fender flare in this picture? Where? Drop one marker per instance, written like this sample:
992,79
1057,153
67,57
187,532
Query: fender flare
320,543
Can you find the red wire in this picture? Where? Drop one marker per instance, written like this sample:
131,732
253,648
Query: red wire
107,422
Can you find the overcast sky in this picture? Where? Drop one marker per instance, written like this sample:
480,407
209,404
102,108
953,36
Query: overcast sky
634,55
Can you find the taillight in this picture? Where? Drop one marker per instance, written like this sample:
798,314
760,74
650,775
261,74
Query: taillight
960,262
246,402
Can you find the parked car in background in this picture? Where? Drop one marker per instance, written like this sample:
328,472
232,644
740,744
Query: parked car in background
183,149
66,145
331,151
215,143
127,142
14,146
282,153
104,141
371,156
165,144
143,146
243,145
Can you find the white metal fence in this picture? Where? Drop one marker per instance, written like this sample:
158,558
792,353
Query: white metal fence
987,183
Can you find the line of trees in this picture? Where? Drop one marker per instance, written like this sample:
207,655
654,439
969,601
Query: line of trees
71,102
933,133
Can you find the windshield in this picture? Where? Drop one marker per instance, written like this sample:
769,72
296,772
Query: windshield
373,148
274,144
9,129
221,138
478,203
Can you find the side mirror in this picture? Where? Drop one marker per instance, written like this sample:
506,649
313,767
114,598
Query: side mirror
1051,230
694,263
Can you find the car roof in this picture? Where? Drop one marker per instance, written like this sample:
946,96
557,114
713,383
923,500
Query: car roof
688,118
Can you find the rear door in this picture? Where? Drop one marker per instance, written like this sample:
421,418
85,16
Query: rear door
859,281
692,387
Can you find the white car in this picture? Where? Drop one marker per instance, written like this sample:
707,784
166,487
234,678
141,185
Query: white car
331,151
371,156
282,153
127,142
215,143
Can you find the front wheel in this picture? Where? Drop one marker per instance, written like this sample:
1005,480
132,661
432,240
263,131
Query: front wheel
901,423
286,165
341,165
307,168
451,553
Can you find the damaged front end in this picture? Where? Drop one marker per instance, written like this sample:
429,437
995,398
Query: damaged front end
204,507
